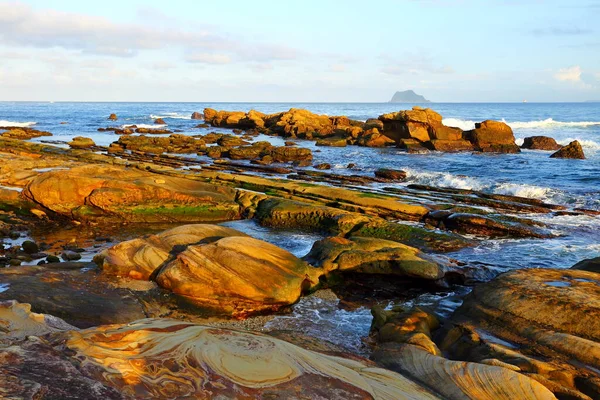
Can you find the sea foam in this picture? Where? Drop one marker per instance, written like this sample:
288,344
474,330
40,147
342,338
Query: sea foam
466,125
146,126
16,124
172,115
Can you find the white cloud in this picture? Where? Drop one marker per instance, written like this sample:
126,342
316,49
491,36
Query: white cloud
207,58
24,26
337,67
570,74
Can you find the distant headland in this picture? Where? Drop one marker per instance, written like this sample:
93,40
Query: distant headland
408,96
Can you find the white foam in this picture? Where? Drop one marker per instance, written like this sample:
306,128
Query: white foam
586,144
4,287
523,190
172,115
465,125
16,124
442,179
147,126
550,123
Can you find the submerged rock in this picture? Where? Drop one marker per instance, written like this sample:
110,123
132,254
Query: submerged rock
540,143
572,150
23,133
391,174
197,115
113,117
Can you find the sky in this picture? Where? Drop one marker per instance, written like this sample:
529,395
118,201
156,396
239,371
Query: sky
299,51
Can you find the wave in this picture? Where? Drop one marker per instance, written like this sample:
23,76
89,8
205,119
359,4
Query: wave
443,179
147,126
586,144
172,115
16,124
523,190
550,123
466,125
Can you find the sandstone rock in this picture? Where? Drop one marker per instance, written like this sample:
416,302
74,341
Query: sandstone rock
18,321
286,154
23,133
547,322
113,117
391,174
197,115
540,143
332,142
80,142
449,145
194,361
592,265
417,123
372,256
492,136
252,120
238,275
303,124
160,121
572,150
373,138
140,258
109,193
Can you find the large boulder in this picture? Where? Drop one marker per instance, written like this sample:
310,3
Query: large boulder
216,268
540,143
372,256
238,275
572,150
492,136
140,258
418,123
109,193
197,115
303,124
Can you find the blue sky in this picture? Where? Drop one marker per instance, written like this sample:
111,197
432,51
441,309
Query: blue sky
327,50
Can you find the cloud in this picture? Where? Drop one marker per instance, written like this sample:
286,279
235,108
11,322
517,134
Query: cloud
337,68
23,26
207,58
570,74
561,31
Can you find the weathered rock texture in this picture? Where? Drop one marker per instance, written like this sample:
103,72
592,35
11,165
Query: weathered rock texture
540,143
572,150
111,193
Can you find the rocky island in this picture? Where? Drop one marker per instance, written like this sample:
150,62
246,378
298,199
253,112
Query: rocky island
408,96
123,275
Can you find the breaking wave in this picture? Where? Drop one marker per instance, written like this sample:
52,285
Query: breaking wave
172,115
442,179
586,144
16,124
546,123
147,126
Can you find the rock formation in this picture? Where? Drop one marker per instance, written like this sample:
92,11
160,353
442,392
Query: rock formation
572,150
540,143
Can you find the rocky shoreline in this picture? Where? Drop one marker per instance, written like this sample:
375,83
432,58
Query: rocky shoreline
150,317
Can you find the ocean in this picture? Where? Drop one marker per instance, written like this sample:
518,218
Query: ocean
575,183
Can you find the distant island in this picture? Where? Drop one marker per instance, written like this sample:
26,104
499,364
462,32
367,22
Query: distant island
408,96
